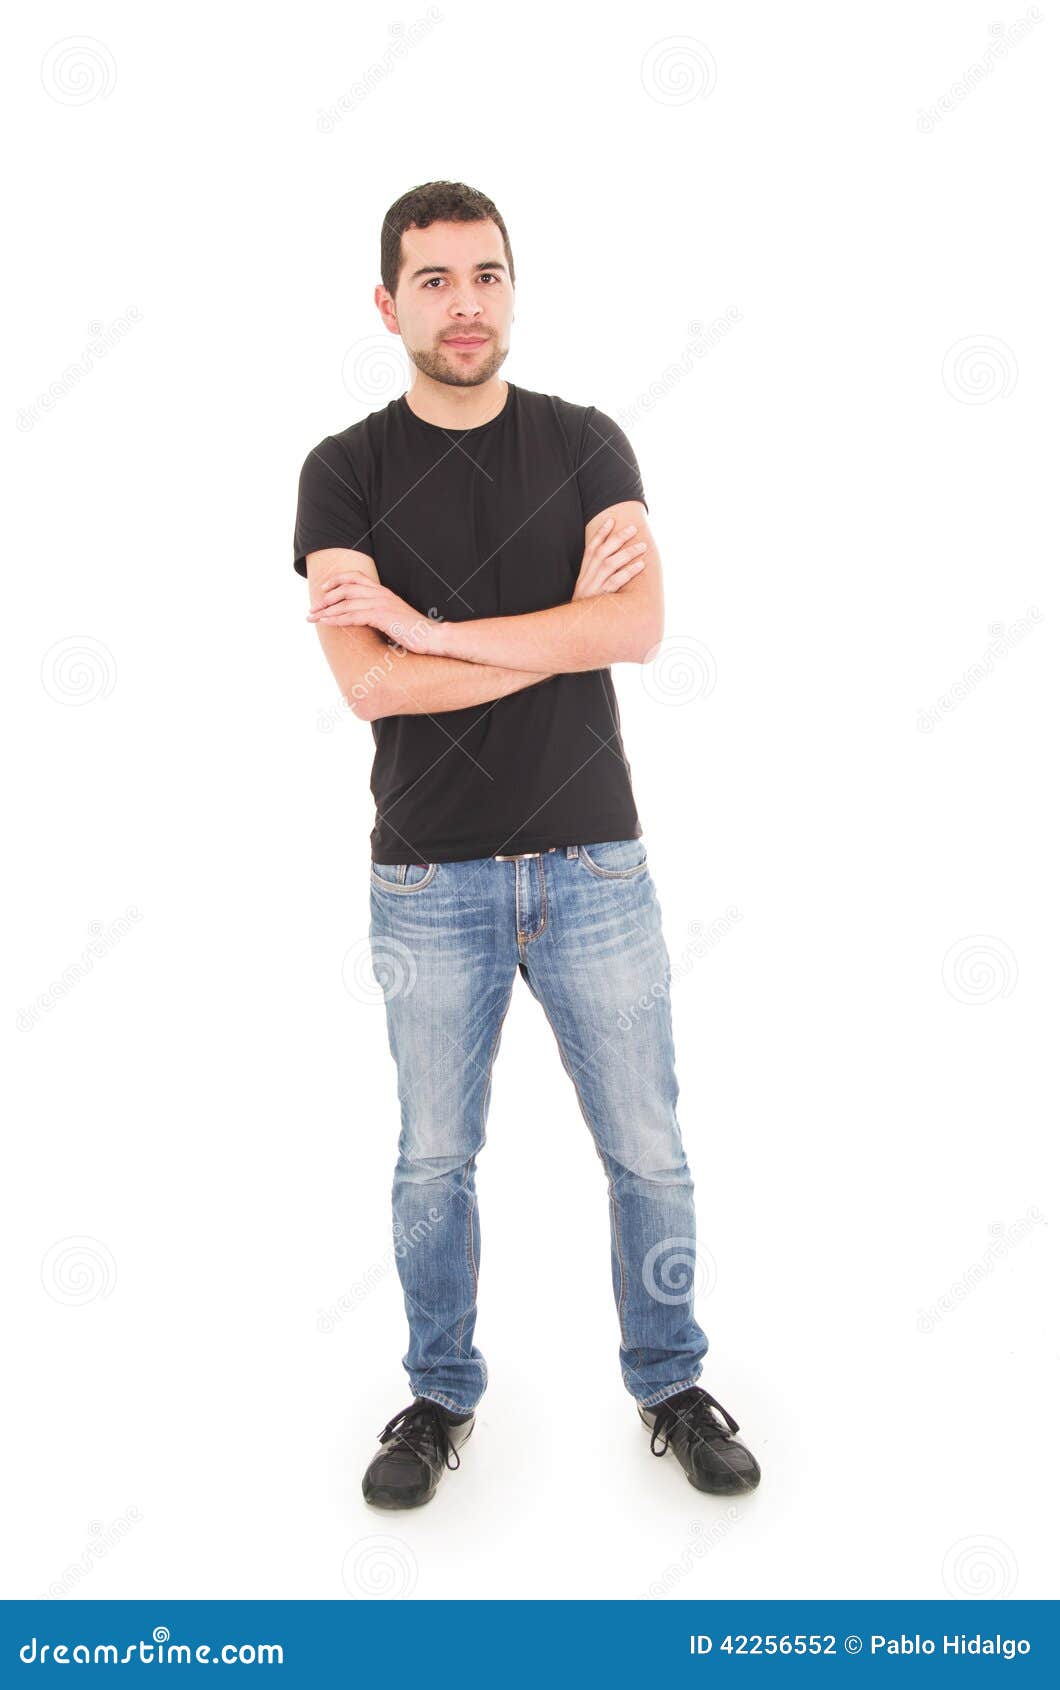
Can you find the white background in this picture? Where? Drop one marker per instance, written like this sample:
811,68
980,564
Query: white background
851,504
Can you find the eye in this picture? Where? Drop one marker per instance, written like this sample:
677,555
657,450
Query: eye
486,276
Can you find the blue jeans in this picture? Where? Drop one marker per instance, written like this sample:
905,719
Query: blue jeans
582,925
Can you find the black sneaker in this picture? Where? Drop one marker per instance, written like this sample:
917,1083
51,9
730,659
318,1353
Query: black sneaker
417,1444
712,1458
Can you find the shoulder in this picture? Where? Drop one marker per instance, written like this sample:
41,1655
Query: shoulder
582,424
355,444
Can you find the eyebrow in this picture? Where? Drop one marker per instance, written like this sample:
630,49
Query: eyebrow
446,269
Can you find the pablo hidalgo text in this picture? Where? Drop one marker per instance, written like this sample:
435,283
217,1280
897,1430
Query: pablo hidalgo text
956,1643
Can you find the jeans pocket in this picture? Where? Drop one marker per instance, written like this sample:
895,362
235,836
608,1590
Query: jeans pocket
402,877
615,859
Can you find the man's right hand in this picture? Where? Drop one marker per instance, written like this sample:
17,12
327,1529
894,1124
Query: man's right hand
610,560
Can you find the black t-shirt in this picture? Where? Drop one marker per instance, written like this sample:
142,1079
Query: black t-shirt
471,523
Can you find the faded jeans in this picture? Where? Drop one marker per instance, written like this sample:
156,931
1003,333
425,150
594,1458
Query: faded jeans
582,925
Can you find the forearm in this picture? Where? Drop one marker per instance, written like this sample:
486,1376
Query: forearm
589,633
405,683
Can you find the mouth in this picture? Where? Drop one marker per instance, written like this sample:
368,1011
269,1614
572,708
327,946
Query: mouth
466,343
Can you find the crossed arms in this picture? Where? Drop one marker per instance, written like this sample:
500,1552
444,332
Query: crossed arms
434,667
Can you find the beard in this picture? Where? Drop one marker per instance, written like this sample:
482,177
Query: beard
455,371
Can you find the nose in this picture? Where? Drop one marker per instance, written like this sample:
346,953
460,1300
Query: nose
465,306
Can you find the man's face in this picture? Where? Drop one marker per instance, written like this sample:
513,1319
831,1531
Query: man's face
454,286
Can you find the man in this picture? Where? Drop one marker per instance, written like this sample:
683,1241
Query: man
477,557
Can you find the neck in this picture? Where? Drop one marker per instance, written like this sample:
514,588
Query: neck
456,407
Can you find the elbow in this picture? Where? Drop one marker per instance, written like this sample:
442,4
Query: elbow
368,694
645,642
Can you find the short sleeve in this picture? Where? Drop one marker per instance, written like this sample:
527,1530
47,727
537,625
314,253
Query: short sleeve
332,510
608,472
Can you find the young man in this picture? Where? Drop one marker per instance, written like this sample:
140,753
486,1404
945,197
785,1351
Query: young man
477,558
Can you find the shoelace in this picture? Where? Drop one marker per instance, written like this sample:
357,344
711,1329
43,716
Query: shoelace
423,1429
692,1409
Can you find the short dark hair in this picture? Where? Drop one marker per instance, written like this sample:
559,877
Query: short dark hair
434,202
